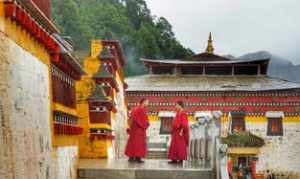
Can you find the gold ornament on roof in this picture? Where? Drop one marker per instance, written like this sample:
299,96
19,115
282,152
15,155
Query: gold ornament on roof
210,47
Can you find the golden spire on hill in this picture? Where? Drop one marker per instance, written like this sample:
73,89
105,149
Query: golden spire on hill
210,47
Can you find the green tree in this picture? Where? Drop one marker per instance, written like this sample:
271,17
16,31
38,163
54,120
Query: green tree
129,21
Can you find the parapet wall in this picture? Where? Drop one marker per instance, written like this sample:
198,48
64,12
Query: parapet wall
26,110
25,137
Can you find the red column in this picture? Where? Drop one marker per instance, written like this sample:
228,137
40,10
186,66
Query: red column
253,169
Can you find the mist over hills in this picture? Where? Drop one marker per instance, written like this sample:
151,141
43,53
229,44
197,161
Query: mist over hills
141,33
279,67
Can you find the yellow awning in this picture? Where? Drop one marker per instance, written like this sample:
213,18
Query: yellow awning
243,150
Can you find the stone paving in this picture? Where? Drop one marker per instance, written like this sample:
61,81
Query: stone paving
154,169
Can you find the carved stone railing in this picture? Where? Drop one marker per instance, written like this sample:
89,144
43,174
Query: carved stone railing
221,160
203,139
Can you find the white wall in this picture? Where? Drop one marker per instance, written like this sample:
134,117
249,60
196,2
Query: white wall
280,153
25,143
119,125
66,161
26,150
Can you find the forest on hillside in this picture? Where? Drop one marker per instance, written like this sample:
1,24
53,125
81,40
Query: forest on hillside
142,34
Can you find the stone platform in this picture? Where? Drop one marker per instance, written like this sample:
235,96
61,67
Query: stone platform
151,169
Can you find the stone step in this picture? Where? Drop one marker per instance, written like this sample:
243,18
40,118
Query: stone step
151,169
157,155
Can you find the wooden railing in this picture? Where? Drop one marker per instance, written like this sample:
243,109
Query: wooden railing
65,124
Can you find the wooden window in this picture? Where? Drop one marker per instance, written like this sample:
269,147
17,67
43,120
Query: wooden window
63,88
100,117
166,125
192,70
275,127
245,70
218,70
238,122
162,70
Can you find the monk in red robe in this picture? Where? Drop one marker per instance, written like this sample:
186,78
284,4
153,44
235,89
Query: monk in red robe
180,136
136,145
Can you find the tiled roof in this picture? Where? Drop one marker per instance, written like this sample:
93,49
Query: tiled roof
103,72
207,83
99,95
208,57
243,139
118,47
38,15
191,61
68,53
106,54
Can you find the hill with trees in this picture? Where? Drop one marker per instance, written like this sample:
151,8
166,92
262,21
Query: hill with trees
130,21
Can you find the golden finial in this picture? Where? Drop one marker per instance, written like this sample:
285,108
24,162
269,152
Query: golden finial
210,47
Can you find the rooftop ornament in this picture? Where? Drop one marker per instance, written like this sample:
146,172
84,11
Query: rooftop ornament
210,48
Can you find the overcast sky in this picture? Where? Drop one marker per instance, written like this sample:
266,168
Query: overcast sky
238,26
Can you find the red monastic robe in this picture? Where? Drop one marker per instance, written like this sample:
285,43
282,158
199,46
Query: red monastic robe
136,144
179,143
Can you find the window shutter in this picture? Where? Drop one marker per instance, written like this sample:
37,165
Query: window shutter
279,129
238,119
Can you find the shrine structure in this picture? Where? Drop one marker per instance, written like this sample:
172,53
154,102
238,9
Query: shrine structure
249,99
101,101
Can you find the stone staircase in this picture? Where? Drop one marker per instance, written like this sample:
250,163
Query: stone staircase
152,154
151,169
157,150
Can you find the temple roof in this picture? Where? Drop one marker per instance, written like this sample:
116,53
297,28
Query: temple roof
207,83
103,72
106,54
38,15
118,46
243,139
68,53
99,95
204,58
208,57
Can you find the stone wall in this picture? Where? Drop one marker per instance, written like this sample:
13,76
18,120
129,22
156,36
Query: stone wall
119,124
25,138
66,160
25,117
280,153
